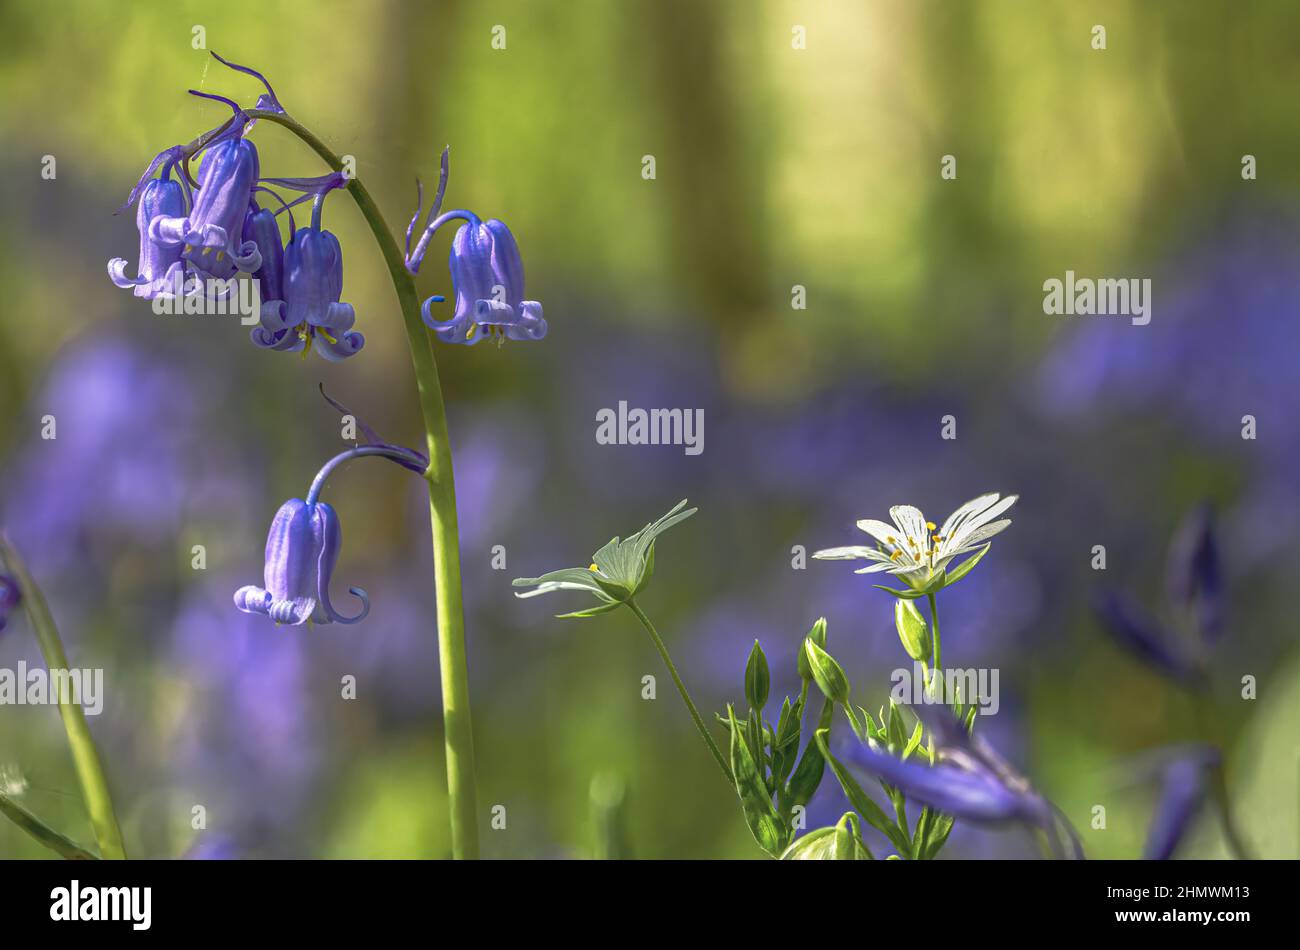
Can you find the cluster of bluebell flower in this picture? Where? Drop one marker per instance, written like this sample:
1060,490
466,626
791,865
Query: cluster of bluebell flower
198,235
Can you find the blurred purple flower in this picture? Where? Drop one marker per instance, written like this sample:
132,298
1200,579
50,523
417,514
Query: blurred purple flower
10,596
1194,581
1195,573
1145,637
1182,793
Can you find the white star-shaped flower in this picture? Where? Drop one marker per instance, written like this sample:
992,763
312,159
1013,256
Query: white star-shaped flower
916,551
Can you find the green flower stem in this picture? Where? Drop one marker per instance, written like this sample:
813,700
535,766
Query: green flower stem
681,688
60,844
934,623
459,736
85,757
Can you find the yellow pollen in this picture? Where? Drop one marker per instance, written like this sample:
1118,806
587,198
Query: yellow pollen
889,539
188,248
593,567
930,525
221,254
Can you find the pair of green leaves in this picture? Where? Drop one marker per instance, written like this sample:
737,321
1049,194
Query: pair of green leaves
619,571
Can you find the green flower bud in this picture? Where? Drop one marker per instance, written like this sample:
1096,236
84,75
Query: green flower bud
828,674
757,680
848,840
818,635
912,629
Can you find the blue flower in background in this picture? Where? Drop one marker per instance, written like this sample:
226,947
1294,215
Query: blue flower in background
10,596
488,276
301,551
1182,794
161,270
1194,576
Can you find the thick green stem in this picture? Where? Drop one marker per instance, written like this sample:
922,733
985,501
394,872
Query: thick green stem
681,688
459,736
85,756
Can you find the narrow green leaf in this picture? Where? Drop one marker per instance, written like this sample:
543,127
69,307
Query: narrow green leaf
760,814
861,802
812,765
58,843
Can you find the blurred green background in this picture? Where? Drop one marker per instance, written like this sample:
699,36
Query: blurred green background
775,167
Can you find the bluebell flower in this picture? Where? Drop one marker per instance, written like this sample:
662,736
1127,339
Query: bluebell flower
10,596
211,232
1194,572
1182,793
300,293
1194,581
303,544
301,551
969,780
1144,636
488,276
160,270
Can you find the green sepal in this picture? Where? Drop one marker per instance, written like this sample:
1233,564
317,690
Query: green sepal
913,631
816,845
902,594
818,636
964,568
757,679
861,802
849,845
756,803
826,673
589,612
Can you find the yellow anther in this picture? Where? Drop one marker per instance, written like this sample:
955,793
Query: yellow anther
889,539
188,248
593,567
221,254
930,525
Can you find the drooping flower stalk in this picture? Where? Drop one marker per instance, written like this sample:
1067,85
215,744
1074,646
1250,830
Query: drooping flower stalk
85,755
459,737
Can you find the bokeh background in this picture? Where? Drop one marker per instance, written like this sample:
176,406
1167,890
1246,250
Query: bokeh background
775,167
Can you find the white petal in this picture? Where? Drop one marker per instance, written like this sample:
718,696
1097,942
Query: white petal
912,523
984,517
846,554
972,507
879,530
873,568
977,537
